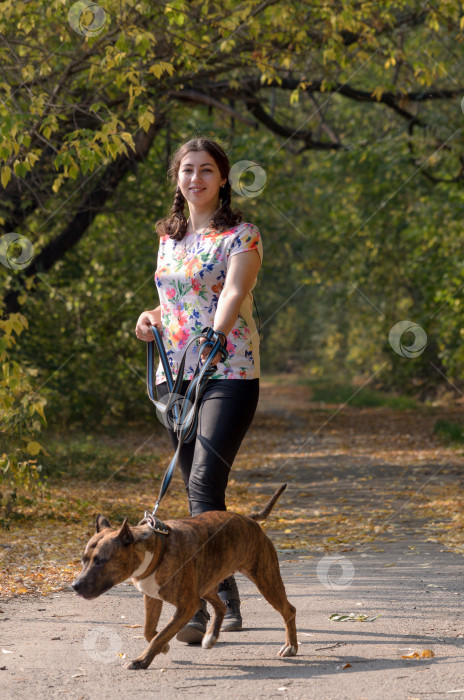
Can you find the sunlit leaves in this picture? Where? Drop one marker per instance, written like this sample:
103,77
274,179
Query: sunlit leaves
19,404
6,175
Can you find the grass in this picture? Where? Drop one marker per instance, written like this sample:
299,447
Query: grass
93,458
338,393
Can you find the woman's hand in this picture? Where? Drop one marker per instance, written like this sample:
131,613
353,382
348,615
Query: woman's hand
204,355
145,320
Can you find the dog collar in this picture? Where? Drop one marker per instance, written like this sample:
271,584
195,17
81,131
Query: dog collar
161,529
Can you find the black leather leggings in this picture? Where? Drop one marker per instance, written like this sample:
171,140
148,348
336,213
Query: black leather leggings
226,411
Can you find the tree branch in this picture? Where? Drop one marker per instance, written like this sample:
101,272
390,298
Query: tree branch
92,205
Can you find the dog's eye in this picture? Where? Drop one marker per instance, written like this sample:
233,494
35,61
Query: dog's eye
98,562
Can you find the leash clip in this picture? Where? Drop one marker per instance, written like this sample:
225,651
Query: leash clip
155,523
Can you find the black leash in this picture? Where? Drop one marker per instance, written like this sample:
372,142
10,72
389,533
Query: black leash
186,415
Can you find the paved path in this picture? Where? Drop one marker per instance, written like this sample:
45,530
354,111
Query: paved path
64,647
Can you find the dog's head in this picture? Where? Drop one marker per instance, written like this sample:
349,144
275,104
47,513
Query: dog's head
110,557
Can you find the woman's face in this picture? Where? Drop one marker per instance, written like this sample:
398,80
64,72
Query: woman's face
199,179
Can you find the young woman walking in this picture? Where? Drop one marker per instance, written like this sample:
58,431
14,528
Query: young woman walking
207,268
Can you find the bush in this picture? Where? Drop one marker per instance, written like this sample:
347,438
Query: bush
22,418
449,431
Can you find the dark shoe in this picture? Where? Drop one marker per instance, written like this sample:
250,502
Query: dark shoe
194,631
228,593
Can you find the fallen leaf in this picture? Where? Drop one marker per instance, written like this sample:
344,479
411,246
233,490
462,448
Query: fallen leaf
425,654
352,617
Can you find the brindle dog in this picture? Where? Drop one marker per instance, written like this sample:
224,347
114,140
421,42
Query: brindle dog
184,565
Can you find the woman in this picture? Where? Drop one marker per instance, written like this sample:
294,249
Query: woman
207,267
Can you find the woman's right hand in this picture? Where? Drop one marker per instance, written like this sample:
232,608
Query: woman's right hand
145,320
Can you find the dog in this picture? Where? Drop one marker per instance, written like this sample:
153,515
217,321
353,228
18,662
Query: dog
181,561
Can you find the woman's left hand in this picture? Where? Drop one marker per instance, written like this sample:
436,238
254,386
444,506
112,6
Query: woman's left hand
204,355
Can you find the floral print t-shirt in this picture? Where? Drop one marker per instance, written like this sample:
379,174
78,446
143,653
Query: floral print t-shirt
190,275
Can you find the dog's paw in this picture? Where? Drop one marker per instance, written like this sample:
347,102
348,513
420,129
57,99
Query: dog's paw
288,650
136,665
165,649
208,641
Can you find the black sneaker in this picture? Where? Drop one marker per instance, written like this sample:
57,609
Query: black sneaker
228,593
194,631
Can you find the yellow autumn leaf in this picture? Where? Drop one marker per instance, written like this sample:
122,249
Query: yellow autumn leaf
6,175
33,448
427,654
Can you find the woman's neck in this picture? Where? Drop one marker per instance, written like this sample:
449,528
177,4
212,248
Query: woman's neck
199,220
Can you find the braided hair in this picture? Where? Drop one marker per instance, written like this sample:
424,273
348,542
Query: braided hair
175,224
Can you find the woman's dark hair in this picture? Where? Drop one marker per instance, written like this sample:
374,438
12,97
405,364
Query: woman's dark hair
175,225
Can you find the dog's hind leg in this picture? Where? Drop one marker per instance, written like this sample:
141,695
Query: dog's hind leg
269,582
152,613
158,643
212,633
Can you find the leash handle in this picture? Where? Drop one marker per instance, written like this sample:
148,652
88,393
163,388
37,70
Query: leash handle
186,423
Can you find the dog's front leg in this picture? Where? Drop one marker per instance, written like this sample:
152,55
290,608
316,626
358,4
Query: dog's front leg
152,614
157,644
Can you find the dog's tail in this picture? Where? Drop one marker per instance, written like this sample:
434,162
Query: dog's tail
262,514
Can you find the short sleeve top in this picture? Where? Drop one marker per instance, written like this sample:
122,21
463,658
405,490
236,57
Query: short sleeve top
190,275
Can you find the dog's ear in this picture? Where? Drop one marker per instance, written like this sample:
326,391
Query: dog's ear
101,523
125,533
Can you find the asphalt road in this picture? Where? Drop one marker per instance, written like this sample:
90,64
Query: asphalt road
64,647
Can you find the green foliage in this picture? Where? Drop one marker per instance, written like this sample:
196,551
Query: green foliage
22,418
73,99
449,431
355,237
365,397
